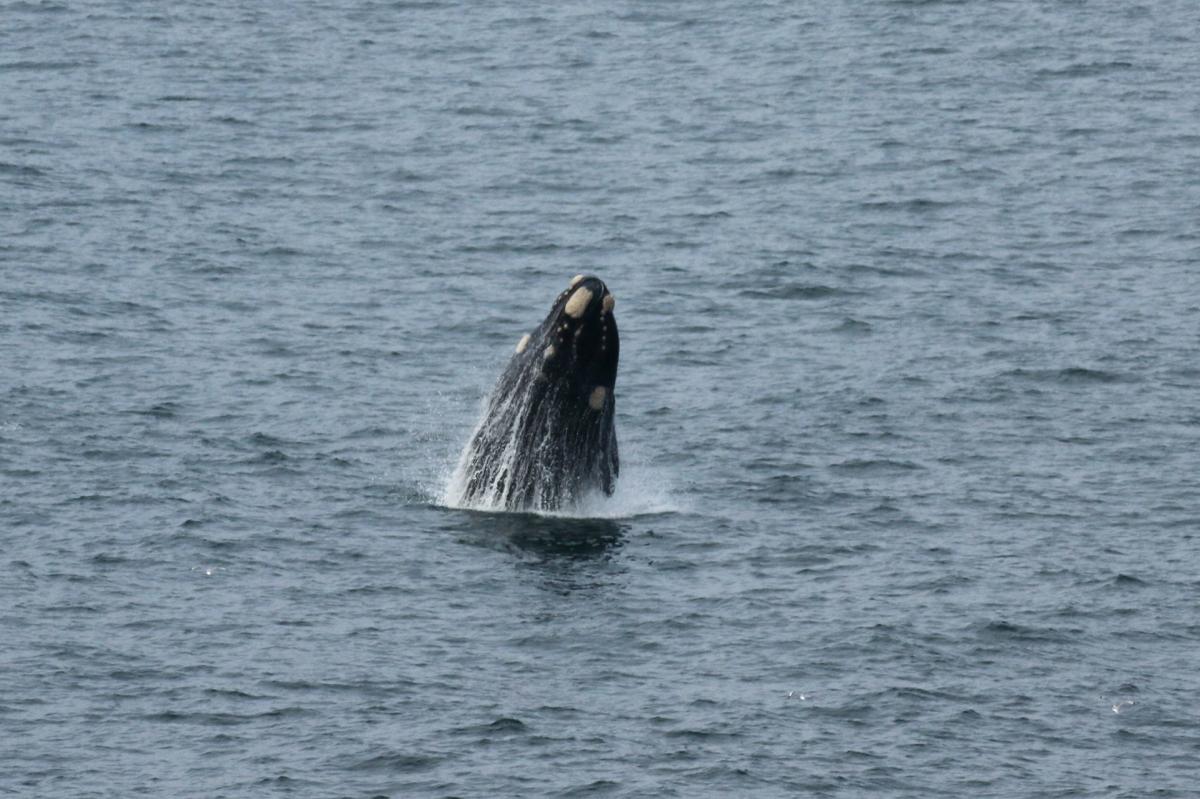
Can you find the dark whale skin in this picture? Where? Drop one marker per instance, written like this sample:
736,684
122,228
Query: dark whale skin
548,438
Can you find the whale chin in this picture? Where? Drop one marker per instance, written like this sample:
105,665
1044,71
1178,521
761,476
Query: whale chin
547,437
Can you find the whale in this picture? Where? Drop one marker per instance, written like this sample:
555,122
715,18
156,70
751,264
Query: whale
547,438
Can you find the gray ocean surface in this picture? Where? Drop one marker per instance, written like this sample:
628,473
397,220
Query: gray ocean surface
909,400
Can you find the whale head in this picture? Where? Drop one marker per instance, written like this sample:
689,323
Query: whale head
579,343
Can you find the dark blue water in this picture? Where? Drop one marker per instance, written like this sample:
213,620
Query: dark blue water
908,401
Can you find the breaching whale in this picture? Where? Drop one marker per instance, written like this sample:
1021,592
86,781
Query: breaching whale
547,437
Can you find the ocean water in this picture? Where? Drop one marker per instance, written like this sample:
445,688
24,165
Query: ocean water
908,402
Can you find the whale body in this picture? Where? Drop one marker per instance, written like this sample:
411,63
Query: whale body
547,437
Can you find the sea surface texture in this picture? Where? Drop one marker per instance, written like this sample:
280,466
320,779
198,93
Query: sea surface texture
909,399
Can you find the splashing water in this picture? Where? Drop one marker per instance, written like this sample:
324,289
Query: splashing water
641,490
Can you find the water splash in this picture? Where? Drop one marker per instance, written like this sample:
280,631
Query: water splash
535,447
641,490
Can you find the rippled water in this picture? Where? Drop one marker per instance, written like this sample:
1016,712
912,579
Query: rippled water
907,404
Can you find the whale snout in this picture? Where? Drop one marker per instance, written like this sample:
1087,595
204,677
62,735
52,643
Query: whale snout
587,296
581,333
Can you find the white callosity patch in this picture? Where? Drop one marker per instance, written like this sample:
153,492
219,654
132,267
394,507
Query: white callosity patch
596,401
549,353
578,303
610,302
575,280
523,343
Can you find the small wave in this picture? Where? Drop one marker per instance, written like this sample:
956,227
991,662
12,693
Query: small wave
20,170
260,439
593,788
403,175
38,8
40,66
793,291
852,327
482,111
1074,375
875,465
1085,70
153,127
510,246
918,205
162,410
504,724
260,160
1008,631
280,252
401,761
224,719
